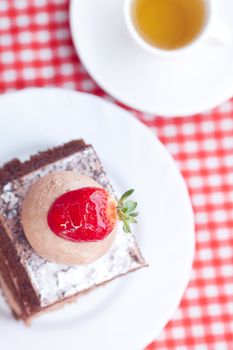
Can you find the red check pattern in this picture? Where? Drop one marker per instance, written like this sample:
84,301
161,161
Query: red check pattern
36,50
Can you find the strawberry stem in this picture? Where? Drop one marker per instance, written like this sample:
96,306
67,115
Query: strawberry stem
126,211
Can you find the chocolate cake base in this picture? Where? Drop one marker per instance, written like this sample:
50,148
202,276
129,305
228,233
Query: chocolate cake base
32,285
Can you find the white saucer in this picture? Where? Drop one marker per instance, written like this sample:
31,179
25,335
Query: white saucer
130,312
185,85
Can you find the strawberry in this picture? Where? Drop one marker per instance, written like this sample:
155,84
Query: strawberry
89,214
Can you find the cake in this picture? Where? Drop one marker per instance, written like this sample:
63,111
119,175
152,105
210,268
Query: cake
35,280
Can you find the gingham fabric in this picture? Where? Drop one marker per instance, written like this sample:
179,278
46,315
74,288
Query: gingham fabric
36,50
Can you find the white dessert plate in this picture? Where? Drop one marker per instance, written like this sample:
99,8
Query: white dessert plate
190,83
130,312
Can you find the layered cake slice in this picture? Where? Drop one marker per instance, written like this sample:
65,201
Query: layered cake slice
60,235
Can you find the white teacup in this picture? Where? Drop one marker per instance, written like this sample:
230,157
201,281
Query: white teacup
212,29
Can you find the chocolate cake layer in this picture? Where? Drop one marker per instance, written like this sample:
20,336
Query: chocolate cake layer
16,278
37,284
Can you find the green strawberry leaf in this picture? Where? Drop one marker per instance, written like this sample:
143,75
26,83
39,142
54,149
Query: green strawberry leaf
125,196
125,210
130,206
132,220
126,227
134,214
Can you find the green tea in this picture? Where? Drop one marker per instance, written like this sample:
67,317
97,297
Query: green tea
169,24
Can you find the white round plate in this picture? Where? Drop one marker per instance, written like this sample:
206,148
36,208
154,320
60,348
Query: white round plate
130,312
192,83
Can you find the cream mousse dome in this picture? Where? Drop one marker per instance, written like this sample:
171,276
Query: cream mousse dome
35,208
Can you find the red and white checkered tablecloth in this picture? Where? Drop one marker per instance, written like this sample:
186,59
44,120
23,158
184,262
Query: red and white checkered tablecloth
36,50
